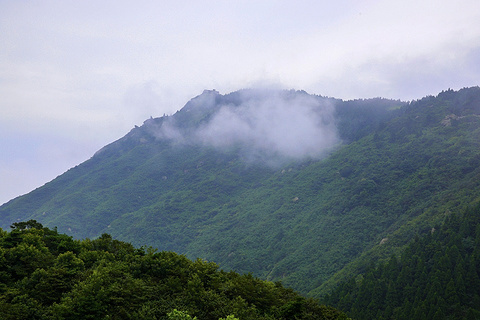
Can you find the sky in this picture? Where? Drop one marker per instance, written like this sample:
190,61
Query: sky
77,75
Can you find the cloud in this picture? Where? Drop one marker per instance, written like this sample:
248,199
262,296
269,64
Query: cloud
270,126
78,69
141,99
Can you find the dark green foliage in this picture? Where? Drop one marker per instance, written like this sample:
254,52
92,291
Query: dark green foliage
436,277
309,224
109,279
358,118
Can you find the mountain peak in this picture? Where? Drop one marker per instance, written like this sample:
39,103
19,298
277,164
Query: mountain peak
203,101
200,182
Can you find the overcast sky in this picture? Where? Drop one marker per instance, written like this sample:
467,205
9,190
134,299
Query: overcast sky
77,75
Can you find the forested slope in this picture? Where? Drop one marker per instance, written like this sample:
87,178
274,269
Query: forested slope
393,172
47,275
436,277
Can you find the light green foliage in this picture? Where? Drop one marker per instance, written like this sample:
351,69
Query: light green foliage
230,317
179,315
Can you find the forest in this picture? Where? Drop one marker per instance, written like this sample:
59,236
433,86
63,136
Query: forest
48,275
347,228
436,277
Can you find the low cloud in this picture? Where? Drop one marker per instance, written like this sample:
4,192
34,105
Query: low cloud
270,126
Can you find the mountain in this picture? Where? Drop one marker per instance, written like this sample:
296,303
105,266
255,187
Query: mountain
290,186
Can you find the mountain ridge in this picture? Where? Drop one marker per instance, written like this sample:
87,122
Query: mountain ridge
299,220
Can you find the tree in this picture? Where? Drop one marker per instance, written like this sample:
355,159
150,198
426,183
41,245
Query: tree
179,315
30,224
230,317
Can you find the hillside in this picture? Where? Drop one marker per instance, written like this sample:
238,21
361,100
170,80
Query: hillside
48,275
436,277
286,185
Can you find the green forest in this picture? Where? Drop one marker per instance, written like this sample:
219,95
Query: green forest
436,277
48,275
382,226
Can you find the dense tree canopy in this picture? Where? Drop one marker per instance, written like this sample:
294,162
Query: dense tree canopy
47,275
436,277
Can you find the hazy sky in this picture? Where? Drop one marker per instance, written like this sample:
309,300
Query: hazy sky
77,75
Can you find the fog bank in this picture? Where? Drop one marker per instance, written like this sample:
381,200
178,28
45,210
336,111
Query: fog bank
270,126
